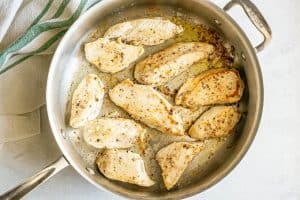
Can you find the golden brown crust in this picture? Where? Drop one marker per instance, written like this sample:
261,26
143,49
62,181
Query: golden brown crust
162,66
174,158
144,31
111,56
216,122
215,86
124,165
147,105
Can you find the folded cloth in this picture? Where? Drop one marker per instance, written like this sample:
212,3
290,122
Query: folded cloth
22,89
18,127
30,31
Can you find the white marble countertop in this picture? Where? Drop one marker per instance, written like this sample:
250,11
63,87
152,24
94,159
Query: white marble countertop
270,170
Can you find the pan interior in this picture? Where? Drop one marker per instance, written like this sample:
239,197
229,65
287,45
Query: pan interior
73,67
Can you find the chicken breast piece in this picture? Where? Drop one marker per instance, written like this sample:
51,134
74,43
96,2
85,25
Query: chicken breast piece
146,31
189,116
215,86
216,122
111,56
174,158
124,165
112,133
86,101
163,66
147,105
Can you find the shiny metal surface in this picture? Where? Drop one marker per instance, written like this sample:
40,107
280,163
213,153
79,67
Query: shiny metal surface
61,75
257,19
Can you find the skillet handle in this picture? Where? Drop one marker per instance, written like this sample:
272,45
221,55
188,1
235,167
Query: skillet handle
256,18
40,177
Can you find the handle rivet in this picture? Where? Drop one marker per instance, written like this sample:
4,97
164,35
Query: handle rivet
217,22
243,56
63,133
90,170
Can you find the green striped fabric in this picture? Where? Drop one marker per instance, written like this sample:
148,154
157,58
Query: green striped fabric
48,26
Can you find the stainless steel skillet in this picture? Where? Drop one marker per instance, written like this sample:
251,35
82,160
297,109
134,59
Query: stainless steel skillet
62,73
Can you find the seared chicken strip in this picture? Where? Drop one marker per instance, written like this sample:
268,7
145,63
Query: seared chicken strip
111,56
148,31
86,101
112,133
189,116
216,122
124,165
174,158
215,86
147,105
161,67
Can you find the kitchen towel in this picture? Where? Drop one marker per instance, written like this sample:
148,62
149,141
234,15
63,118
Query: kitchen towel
30,31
